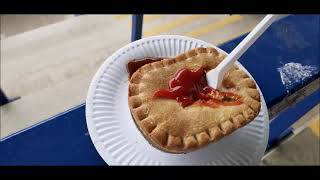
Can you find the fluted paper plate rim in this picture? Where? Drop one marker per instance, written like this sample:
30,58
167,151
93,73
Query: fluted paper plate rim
121,151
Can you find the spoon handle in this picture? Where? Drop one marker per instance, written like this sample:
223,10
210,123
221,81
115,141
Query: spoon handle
243,46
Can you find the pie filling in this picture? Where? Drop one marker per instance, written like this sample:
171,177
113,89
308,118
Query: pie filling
189,87
135,64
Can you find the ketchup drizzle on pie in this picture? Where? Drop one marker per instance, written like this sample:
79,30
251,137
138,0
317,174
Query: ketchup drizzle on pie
190,87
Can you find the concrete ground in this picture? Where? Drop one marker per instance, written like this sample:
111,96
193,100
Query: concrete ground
296,151
49,61
302,147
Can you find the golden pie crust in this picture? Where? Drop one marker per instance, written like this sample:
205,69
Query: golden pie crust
175,129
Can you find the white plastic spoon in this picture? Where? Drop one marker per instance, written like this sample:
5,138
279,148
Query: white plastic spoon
215,76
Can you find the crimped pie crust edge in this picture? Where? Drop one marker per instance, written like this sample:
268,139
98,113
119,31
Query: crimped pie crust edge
172,144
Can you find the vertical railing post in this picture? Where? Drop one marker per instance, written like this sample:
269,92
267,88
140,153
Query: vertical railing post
136,33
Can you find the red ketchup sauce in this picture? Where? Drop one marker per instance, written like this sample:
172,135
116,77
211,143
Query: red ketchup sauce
190,87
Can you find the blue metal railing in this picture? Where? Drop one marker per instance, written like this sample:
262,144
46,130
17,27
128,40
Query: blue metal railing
137,20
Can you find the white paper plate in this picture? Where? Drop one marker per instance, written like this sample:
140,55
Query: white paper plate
116,137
